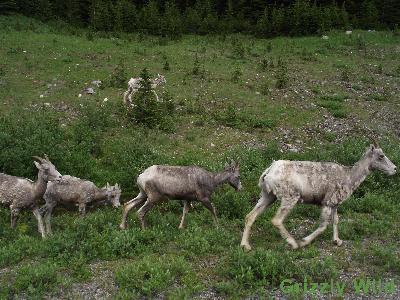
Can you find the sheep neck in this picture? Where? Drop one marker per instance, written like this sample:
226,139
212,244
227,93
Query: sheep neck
100,194
221,178
359,172
40,185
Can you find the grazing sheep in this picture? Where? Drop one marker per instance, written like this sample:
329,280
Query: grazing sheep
20,193
321,183
75,191
135,83
190,183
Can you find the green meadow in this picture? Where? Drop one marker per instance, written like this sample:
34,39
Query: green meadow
234,97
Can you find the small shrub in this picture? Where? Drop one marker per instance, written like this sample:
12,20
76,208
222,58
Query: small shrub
118,77
264,88
166,66
268,48
397,71
260,268
90,35
196,66
264,64
334,104
238,50
236,75
38,278
345,74
282,79
153,274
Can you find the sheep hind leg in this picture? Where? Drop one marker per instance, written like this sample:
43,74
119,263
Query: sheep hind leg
286,206
144,210
185,211
335,222
325,220
206,202
266,200
131,204
38,216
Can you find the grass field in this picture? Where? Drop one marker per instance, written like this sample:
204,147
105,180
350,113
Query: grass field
249,99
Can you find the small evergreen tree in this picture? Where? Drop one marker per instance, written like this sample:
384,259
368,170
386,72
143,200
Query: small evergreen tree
126,18
172,23
263,27
150,18
369,15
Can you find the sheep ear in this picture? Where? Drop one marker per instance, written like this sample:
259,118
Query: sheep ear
46,157
372,147
37,165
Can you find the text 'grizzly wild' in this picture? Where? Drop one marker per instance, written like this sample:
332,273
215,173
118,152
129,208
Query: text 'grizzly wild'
188,183
322,183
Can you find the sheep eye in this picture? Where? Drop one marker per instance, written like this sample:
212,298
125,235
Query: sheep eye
381,157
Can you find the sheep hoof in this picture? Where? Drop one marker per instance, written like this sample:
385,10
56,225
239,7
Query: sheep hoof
301,244
122,226
338,242
246,247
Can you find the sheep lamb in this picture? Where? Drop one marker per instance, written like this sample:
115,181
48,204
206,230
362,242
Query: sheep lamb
77,192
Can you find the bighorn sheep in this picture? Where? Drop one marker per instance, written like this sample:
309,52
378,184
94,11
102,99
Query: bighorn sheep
20,193
75,191
189,183
135,83
321,183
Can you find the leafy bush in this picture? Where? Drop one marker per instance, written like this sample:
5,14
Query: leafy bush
236,75
153,274
118,77
282,78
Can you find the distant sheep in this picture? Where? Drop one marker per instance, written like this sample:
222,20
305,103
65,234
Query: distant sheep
135,83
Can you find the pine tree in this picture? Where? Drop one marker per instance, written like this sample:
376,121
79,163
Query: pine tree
172,23
150,18
263,27
126,18
369,15
8,6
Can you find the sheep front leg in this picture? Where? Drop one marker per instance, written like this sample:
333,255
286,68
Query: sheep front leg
185,211
286,206
265,201
335,218
82,209
47,216
38,216
14,216
129,205
325,220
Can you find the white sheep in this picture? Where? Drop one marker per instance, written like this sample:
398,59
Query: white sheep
322,183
